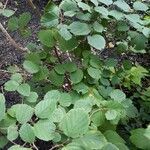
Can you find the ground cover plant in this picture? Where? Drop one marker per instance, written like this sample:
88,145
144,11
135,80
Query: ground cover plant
71,96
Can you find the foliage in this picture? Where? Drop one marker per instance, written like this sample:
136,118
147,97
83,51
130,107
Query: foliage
81,102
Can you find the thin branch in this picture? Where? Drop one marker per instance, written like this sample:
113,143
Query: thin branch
5,4
36,9
11,40
56,146
22,73
33,144
66,75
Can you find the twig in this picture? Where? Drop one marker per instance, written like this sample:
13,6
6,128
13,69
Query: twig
57,55
66,75
5,4
34,146
11,40
34,7
8,72
56,146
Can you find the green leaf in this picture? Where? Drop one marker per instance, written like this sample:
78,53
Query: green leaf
85,104
24,89
65,99
13,24
116,14
7,121
11,85
76,76
79,28
98,27
140,6
56,79
138,40
60,69
70,67
127,64
122,26
42,74
65,33
146,32
68,5
46,38
32,98
30,67
57,137
12,132
102,11
122,5
26,133
95,2
67,45
23,113
51,15
139,139
106,2
84,6
83,16
95,62
81,88
113,137
17,77
111,62
18,147
134,19
98,118
111,114
118,95
94,73
44,130
49,20
7,12
52,96
58,115
97,41
2,106
3,141
75,123
73,146
24,19
92,140
45,108
110,146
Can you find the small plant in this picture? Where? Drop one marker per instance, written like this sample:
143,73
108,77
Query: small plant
75,98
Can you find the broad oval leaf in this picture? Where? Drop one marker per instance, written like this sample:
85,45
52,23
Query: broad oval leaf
118,95
46,38
106,2
45,108
76,76
92,140
122,5
30,67
79,28
26,133
23,113
140,6
97,41
12,132
24,89
94,73
75,123
44,130
11,85
2,106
